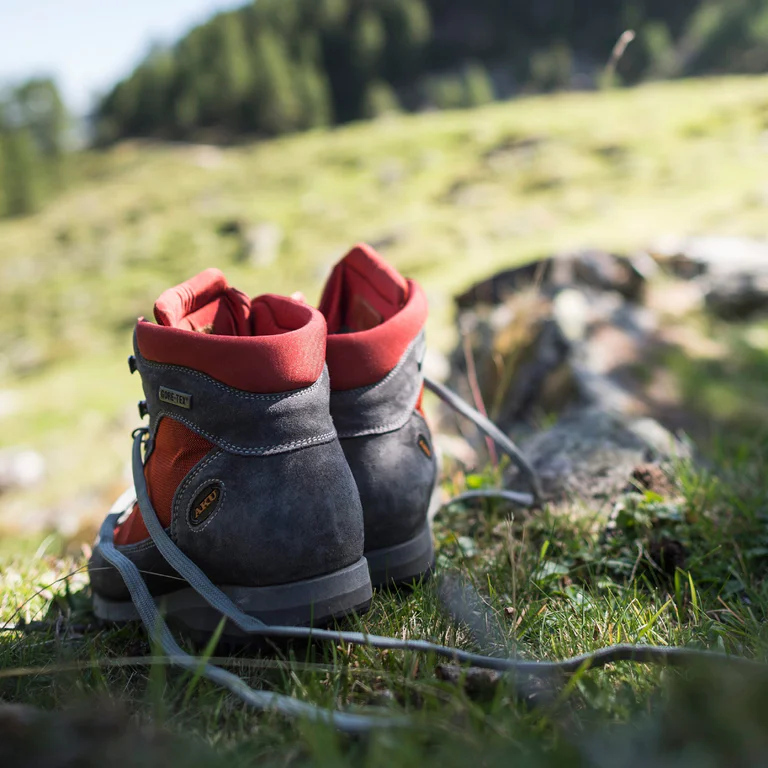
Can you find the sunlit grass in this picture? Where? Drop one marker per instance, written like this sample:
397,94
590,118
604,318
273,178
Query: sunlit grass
454,196
540,586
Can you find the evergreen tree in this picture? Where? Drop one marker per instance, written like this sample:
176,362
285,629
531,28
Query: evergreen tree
21,172
186,112
314,98
660,48
417,25
446,92
41,111
368,41
551,68
246,70
115,118
149,94
380,100
232,76
478,88
331,13
311,85
408,33
277,104
3,130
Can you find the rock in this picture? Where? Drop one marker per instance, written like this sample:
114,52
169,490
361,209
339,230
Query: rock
391,172
96,732
730,272
738,296
453,450
594,269
572,344
20,468
229,227
692,257
10,402
513,152
259,243
573,312
606,272
388,239
500,286
520,357
533,355
436,365
653,478
206,156
590,454
262,242
589,342
668,554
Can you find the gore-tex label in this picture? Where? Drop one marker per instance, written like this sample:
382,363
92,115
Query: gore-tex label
174,397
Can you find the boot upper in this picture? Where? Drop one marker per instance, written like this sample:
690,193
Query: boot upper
375,350
243,464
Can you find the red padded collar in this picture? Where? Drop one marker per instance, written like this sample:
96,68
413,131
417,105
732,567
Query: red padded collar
270,344
373,314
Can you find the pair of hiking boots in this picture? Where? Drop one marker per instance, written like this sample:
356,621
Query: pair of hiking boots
287,455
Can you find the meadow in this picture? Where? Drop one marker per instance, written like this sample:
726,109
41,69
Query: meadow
450,198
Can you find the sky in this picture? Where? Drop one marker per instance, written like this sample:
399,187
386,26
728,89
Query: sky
87,45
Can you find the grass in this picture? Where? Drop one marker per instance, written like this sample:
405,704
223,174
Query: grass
542,586
454,196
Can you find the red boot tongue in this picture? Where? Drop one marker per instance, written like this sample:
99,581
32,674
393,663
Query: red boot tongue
362,292
205,303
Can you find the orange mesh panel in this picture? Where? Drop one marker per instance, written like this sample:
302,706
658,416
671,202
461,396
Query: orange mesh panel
177,450
419,407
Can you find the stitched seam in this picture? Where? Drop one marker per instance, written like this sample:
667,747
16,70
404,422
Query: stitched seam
383,428
400,364
233,448
200,528
181,490
380,430
232,390
138,547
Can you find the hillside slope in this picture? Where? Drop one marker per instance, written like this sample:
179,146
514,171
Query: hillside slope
451,196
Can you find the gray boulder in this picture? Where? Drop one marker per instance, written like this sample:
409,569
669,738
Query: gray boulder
591,453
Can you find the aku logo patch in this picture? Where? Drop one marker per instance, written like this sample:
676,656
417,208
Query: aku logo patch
205,503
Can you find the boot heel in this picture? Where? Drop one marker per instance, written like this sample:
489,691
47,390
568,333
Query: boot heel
310,602
403,563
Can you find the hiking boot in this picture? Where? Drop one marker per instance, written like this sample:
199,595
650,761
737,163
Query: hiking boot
243,466
374,354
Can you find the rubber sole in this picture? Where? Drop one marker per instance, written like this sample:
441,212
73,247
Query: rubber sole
312,602
403,563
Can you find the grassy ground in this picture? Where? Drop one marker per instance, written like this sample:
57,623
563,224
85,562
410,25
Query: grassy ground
455,196
543,586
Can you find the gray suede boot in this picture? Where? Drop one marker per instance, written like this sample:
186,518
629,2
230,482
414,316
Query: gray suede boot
242,467
374,353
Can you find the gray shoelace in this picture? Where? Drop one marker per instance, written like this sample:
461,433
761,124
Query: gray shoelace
345,721
487,427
